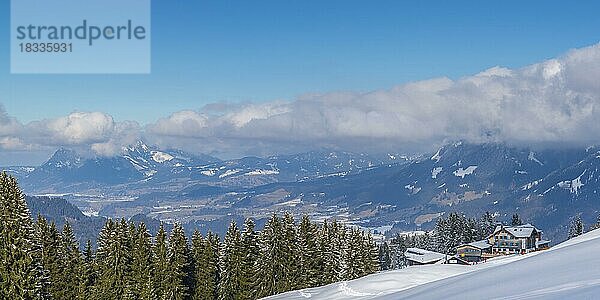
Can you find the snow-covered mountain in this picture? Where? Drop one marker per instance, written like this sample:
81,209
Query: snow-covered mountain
546,187
141,166
566,271
67,170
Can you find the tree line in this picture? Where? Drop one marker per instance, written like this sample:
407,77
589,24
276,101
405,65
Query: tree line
577,227
39,261
452,231
449,232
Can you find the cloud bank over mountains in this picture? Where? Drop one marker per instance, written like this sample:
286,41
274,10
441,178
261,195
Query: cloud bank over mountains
554,101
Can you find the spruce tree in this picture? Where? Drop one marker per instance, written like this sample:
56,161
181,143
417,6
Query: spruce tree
49,240
596,225
576,227
336,252
369,255
471,230
207,273
355,257
160,263
53,263
179,271
114,261
141,268
385,257
516,220
443,235
87,274
325,258
250,252
71,264
398,246
21,271
487,225
309,256
271,266
290,240
197,259
449,233
205,255
231,264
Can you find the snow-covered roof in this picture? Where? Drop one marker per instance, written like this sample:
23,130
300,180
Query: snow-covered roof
521,231
542,242
423,256
483,244
458,258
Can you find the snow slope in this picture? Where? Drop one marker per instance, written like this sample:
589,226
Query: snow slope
384,283
570,270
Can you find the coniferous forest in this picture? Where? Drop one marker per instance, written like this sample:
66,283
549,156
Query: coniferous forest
41,261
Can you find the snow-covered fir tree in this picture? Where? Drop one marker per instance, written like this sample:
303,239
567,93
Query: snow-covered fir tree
596,225
71,261
271,267
309,259
385,257
354,262
51,254
114,261
129,264
250,253
516,220
231,265
487,224
22,274
87,273
207,273
141,268
160,263
576,228
179,269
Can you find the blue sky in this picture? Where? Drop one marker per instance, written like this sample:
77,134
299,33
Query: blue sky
239,51
364,76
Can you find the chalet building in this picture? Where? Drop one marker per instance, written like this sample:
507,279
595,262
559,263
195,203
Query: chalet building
474,252
417,257
505,240
516,239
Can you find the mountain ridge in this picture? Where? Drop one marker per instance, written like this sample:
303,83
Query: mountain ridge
547,186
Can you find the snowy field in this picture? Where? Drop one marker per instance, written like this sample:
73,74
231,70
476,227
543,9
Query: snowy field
570,270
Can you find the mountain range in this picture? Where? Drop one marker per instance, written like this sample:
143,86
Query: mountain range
389,192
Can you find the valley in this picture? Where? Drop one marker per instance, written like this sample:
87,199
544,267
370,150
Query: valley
403,192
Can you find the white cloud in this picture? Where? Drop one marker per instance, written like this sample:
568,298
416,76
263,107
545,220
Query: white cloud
77,128
8,125
124,134
554,101
185,123
85,130
13,144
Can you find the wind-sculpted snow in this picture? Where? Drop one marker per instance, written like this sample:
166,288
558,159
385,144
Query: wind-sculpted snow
567,271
